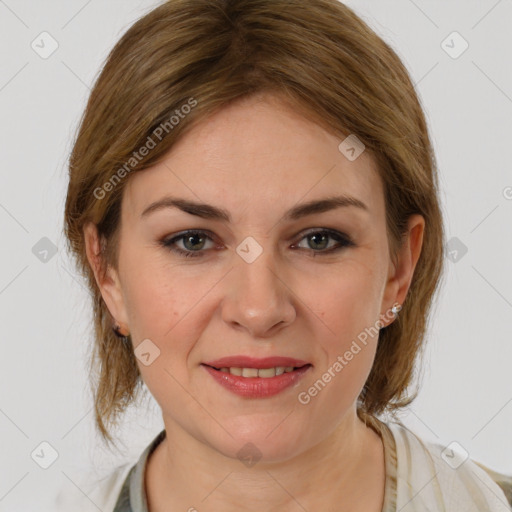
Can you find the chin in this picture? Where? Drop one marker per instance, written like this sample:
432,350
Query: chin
257,442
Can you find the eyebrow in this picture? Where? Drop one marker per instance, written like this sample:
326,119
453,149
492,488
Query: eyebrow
207,211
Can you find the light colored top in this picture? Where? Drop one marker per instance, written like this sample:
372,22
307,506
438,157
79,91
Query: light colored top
421,476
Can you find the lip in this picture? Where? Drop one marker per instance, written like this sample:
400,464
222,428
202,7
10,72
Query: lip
253,362
257,387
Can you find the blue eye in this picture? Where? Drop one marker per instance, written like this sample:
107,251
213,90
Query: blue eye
193,241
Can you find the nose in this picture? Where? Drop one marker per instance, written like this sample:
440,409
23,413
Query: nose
258,299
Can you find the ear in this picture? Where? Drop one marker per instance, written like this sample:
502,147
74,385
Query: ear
401,272
106,276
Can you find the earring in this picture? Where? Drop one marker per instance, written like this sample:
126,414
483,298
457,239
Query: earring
116,329
396,309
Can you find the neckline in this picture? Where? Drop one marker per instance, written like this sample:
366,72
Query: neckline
134,485
390,460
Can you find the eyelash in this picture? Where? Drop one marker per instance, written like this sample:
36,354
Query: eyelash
341,238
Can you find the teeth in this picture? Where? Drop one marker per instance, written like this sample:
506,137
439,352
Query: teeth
249,372
264,373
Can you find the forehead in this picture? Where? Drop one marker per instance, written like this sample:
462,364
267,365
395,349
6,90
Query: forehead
257,155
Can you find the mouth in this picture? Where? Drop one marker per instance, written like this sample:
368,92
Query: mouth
263,373
250,382
248,362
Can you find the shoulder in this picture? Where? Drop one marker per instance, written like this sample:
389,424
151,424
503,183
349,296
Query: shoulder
503,480
432,476
90,493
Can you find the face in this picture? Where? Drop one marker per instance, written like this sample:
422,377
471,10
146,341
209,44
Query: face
261,283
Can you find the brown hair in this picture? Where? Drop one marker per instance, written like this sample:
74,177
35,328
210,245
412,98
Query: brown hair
321,58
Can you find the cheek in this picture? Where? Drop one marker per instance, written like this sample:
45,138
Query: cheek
348,338
161,307
347,301
152,304
158,295
170,306
348,305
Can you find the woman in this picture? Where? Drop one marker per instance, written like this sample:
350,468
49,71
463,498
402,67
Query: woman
269,274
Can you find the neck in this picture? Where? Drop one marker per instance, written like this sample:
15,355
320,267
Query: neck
346,468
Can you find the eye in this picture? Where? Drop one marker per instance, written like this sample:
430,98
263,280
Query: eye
194,241
318,241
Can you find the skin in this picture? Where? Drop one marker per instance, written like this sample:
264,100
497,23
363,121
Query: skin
257,159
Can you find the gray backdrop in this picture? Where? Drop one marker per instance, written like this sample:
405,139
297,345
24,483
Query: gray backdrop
467,94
